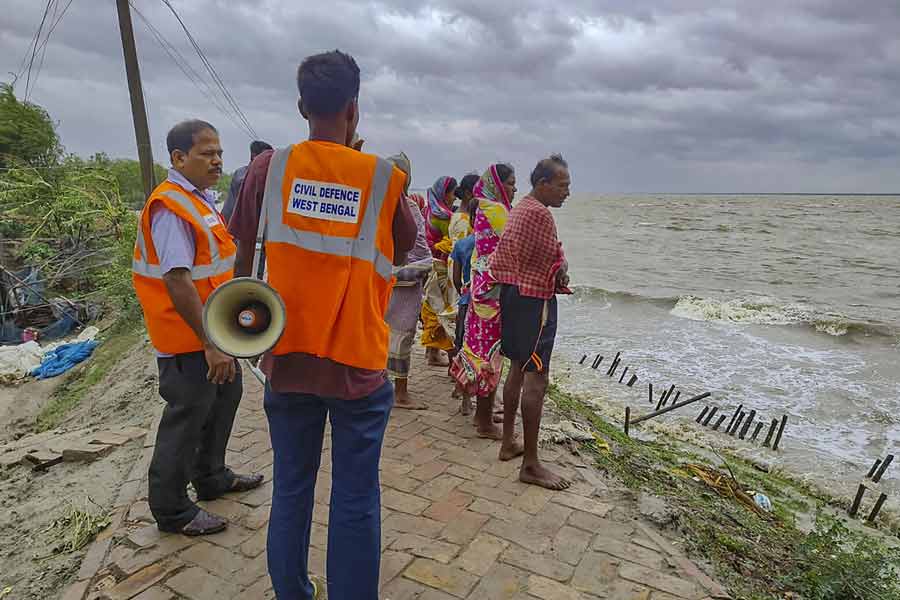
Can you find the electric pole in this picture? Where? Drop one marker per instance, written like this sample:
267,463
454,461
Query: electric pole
138,109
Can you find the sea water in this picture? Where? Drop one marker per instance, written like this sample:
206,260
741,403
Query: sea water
785,304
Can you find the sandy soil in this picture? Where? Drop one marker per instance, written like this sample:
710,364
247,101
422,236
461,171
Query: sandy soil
30,501
21,403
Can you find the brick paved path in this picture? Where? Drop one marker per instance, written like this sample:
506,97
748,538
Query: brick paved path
456,524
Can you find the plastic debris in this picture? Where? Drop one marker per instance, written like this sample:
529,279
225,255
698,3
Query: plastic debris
63,358
761,500
21,360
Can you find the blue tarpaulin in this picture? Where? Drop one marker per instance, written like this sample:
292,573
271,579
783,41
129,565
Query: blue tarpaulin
63,358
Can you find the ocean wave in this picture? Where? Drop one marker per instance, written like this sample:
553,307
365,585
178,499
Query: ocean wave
588,293
763,310
749,310
755,310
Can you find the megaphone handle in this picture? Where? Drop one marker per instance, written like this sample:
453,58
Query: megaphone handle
260,236
256,372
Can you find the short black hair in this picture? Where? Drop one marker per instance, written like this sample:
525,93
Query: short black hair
504,171
546,168
467,184
327,82
257,147
181,137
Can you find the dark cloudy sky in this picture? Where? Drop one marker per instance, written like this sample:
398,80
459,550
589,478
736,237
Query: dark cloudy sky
641,96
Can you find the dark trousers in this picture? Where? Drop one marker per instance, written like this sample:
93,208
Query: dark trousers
461,313
193,433
297,427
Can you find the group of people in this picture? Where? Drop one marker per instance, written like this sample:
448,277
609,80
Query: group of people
352,254
483,282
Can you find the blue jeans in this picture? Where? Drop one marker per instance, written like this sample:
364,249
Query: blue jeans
297,426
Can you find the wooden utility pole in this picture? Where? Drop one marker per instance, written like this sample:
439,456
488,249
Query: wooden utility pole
138,109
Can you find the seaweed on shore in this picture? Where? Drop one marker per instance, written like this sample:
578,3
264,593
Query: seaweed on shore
756,554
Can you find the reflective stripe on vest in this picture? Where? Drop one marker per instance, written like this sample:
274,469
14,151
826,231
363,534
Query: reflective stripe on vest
362,246
217,265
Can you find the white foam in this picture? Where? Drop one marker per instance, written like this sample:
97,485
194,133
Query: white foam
754,310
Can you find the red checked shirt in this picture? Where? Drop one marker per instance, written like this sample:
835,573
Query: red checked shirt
529,253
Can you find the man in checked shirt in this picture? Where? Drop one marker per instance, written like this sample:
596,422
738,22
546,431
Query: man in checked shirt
530,265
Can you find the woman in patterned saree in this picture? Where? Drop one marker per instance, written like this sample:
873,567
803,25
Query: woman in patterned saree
478,367
439,307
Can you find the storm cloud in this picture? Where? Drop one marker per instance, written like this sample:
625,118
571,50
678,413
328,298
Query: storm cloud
664,96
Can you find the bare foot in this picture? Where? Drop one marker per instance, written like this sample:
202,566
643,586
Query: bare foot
494,433
465,405
543,477
509,452
437,358
404,401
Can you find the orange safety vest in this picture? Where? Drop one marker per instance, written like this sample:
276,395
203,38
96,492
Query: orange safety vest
213,266
327,219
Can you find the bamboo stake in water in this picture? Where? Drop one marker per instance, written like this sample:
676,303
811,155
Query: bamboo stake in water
671,408
887,462
747,424
737,423
756,431
702,413
877,508
734,417
854,508
780,431
873,469
771,433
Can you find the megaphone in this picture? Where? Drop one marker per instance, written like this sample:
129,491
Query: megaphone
244,317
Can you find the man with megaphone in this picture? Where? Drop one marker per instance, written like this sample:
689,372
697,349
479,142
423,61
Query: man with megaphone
333,224
182,253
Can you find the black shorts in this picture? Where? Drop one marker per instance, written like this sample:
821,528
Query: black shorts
521,333
462,311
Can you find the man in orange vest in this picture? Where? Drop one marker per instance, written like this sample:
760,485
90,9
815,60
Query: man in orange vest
182,253
333,224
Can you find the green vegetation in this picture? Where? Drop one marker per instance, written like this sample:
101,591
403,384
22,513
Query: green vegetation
65,215
73,219
127,173
27,135
71,223
77,528
840,564
757,555
224,184
115,344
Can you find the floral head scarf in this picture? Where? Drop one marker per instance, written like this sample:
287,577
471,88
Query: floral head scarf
490,187
437,207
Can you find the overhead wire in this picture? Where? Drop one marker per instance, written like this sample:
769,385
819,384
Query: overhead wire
39,45
42,51
184,65
34,45
55,21
215,76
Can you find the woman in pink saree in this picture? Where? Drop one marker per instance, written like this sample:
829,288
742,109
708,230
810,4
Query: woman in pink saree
477,369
